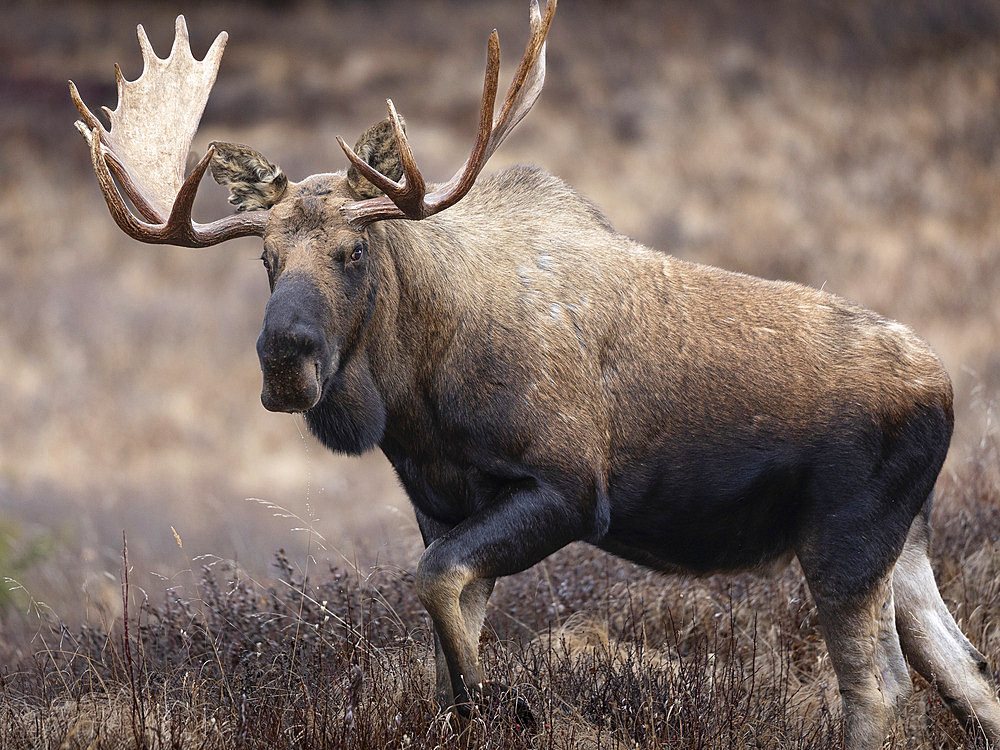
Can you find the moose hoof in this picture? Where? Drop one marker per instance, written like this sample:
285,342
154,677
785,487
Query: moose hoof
507,701
495,700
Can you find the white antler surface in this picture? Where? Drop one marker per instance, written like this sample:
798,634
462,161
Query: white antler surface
157,115
147,146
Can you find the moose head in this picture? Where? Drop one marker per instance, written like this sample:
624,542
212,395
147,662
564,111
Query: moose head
317,233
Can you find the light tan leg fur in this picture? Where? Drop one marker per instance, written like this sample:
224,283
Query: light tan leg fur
472,604
874,683
936,647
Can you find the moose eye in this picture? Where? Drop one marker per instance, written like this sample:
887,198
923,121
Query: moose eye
266,262
358,252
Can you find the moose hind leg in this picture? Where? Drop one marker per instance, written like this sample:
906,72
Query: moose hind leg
861,638
855,521
934,644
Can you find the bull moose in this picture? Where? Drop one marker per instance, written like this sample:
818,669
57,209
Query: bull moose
536,378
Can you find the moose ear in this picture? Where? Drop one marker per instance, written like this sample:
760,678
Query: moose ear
377,147
254,182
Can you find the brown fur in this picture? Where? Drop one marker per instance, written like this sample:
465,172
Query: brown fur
611,317
518,325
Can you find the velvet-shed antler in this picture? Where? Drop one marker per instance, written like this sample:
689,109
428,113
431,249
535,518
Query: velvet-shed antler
147,146
408,198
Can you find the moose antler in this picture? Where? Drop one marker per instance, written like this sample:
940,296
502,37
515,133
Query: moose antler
146,149
408,198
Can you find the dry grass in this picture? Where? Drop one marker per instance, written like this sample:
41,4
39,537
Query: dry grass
852,145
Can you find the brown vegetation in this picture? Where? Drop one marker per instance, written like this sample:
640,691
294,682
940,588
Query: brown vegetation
851,145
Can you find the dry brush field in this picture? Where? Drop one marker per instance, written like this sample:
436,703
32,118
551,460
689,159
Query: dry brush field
266,597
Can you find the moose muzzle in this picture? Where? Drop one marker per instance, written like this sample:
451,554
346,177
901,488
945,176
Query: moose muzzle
295,356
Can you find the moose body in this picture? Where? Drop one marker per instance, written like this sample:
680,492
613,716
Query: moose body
677,414
536,378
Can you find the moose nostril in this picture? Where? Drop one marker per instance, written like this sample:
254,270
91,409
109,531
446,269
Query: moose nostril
293,343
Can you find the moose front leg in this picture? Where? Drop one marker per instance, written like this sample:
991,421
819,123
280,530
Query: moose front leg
459,620
473,605
472,602
456,572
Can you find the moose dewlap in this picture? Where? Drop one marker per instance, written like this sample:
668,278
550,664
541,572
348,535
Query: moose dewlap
536,378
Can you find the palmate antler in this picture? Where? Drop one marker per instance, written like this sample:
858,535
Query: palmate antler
408,198
157,116
146,149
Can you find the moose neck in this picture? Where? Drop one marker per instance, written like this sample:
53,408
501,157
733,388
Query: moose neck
387,366
491,272
418,309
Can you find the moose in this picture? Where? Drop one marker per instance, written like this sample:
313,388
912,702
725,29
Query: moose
536,378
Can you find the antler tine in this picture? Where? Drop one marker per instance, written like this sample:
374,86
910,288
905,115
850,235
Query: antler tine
179,229
530,76
91,126
146,148
116,205
410,198
409,192
401,200
462,181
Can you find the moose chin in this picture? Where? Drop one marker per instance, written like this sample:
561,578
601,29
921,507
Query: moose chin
536,378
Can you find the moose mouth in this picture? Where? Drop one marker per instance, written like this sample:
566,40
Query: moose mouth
291,386
296,387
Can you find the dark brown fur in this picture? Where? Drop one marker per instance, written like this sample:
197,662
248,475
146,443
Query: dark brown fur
536,378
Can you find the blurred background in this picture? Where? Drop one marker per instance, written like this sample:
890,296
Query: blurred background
850,145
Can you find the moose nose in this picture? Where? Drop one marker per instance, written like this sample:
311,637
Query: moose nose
280,346
292,348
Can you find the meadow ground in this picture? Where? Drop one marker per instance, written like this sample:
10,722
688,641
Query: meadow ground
852,146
